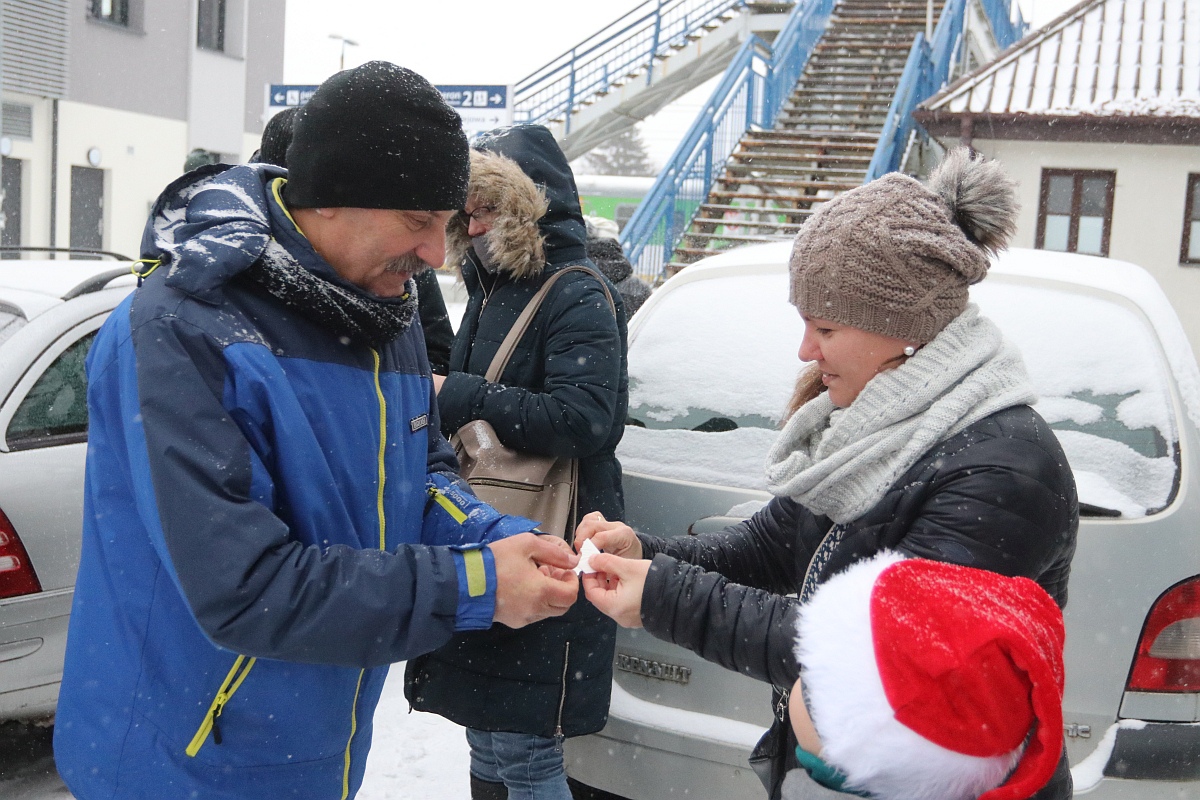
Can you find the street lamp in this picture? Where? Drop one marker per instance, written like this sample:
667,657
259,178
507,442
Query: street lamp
344,41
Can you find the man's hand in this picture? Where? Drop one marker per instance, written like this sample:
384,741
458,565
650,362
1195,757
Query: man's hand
534,578
616,587
616,538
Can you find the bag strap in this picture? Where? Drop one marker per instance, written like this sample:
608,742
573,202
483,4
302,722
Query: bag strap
509,345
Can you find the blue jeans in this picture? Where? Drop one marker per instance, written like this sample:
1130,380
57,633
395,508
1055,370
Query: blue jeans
530,766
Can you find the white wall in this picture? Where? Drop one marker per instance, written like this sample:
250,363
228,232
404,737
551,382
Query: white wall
1148,205
216,102
140,155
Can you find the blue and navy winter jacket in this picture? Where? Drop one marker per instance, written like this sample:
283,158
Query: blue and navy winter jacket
271,518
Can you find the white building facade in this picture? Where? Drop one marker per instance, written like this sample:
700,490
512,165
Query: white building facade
1097,116
103,100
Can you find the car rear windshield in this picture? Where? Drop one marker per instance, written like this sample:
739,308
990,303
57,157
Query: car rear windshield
713,367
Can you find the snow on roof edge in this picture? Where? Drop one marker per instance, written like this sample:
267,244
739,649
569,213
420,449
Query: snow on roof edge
1015,51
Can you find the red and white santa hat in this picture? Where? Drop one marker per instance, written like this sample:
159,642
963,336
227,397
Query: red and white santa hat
933,681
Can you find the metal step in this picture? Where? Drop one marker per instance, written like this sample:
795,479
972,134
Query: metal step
855,173
857,154
756,228
743,238
749,180
714,208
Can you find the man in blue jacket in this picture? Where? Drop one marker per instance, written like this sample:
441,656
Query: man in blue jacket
272,515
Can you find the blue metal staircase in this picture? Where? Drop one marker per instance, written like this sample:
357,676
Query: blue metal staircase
824,107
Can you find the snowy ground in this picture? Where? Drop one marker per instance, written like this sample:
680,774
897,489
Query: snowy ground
414,756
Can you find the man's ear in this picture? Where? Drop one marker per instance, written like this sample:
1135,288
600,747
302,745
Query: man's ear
327,213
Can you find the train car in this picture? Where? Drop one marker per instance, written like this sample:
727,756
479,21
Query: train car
613,197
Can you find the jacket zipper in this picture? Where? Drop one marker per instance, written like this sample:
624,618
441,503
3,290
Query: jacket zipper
382,546
501,483
784,693
233,680
562,701
456,513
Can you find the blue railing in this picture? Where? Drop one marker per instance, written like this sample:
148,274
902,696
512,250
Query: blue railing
928,69
628,47
754,88
1005,28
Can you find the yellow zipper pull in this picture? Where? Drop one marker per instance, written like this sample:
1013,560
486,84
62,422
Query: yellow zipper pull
222,699
448,505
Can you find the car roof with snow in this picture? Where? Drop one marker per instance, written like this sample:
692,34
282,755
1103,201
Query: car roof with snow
33,286
1093,272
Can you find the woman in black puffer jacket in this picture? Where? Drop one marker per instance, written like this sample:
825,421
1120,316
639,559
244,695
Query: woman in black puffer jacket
564,392
911,431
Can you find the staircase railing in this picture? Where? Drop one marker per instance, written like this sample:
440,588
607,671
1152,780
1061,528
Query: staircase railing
754,88
617,52
927,70
1005,28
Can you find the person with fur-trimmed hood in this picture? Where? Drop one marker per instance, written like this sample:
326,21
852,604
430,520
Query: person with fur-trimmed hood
911,430
563,393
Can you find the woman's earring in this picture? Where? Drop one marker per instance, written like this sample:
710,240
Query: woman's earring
910,351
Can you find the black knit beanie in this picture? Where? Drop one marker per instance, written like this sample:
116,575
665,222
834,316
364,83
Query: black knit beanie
378,136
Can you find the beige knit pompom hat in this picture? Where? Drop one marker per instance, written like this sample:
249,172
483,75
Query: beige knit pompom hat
896,256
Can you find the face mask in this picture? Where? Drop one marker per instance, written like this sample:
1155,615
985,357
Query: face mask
483,252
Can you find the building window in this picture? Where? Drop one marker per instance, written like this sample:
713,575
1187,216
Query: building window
1075,212
1190,252
114,11
211,28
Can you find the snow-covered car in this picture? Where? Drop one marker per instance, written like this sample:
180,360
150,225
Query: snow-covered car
49,313
712,363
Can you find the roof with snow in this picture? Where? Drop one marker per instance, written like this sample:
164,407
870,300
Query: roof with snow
1130,63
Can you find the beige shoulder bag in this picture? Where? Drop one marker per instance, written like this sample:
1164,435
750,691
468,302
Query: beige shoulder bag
542,488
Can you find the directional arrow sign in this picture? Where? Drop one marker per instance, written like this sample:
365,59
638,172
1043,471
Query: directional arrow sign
284,95
481,107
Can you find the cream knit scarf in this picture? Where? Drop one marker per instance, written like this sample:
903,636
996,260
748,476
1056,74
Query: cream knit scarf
840,462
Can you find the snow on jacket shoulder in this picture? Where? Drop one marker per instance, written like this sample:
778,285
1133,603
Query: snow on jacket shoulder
271,517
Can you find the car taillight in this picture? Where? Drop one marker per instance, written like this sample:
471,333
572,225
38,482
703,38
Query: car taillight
1168,654
16,573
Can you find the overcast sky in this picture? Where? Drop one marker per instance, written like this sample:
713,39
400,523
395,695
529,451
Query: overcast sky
481,42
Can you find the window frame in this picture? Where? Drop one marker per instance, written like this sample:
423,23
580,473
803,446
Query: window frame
1191,213
50,352
94,12
1078,176
222,29
56,438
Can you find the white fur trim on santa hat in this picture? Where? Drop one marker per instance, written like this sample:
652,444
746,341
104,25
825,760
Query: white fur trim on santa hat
859,733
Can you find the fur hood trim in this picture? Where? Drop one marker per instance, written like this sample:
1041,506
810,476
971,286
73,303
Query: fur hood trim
515,239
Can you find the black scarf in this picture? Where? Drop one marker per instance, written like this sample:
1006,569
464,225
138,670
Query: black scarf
338,306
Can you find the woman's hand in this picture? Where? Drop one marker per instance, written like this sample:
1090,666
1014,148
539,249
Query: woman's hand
616,587
615,538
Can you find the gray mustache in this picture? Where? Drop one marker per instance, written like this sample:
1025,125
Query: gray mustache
409,262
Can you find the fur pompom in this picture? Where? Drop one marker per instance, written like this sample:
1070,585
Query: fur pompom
981,197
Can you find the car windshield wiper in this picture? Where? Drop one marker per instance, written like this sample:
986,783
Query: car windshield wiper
1089,510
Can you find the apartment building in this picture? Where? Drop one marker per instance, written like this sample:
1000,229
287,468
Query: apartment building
103,100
